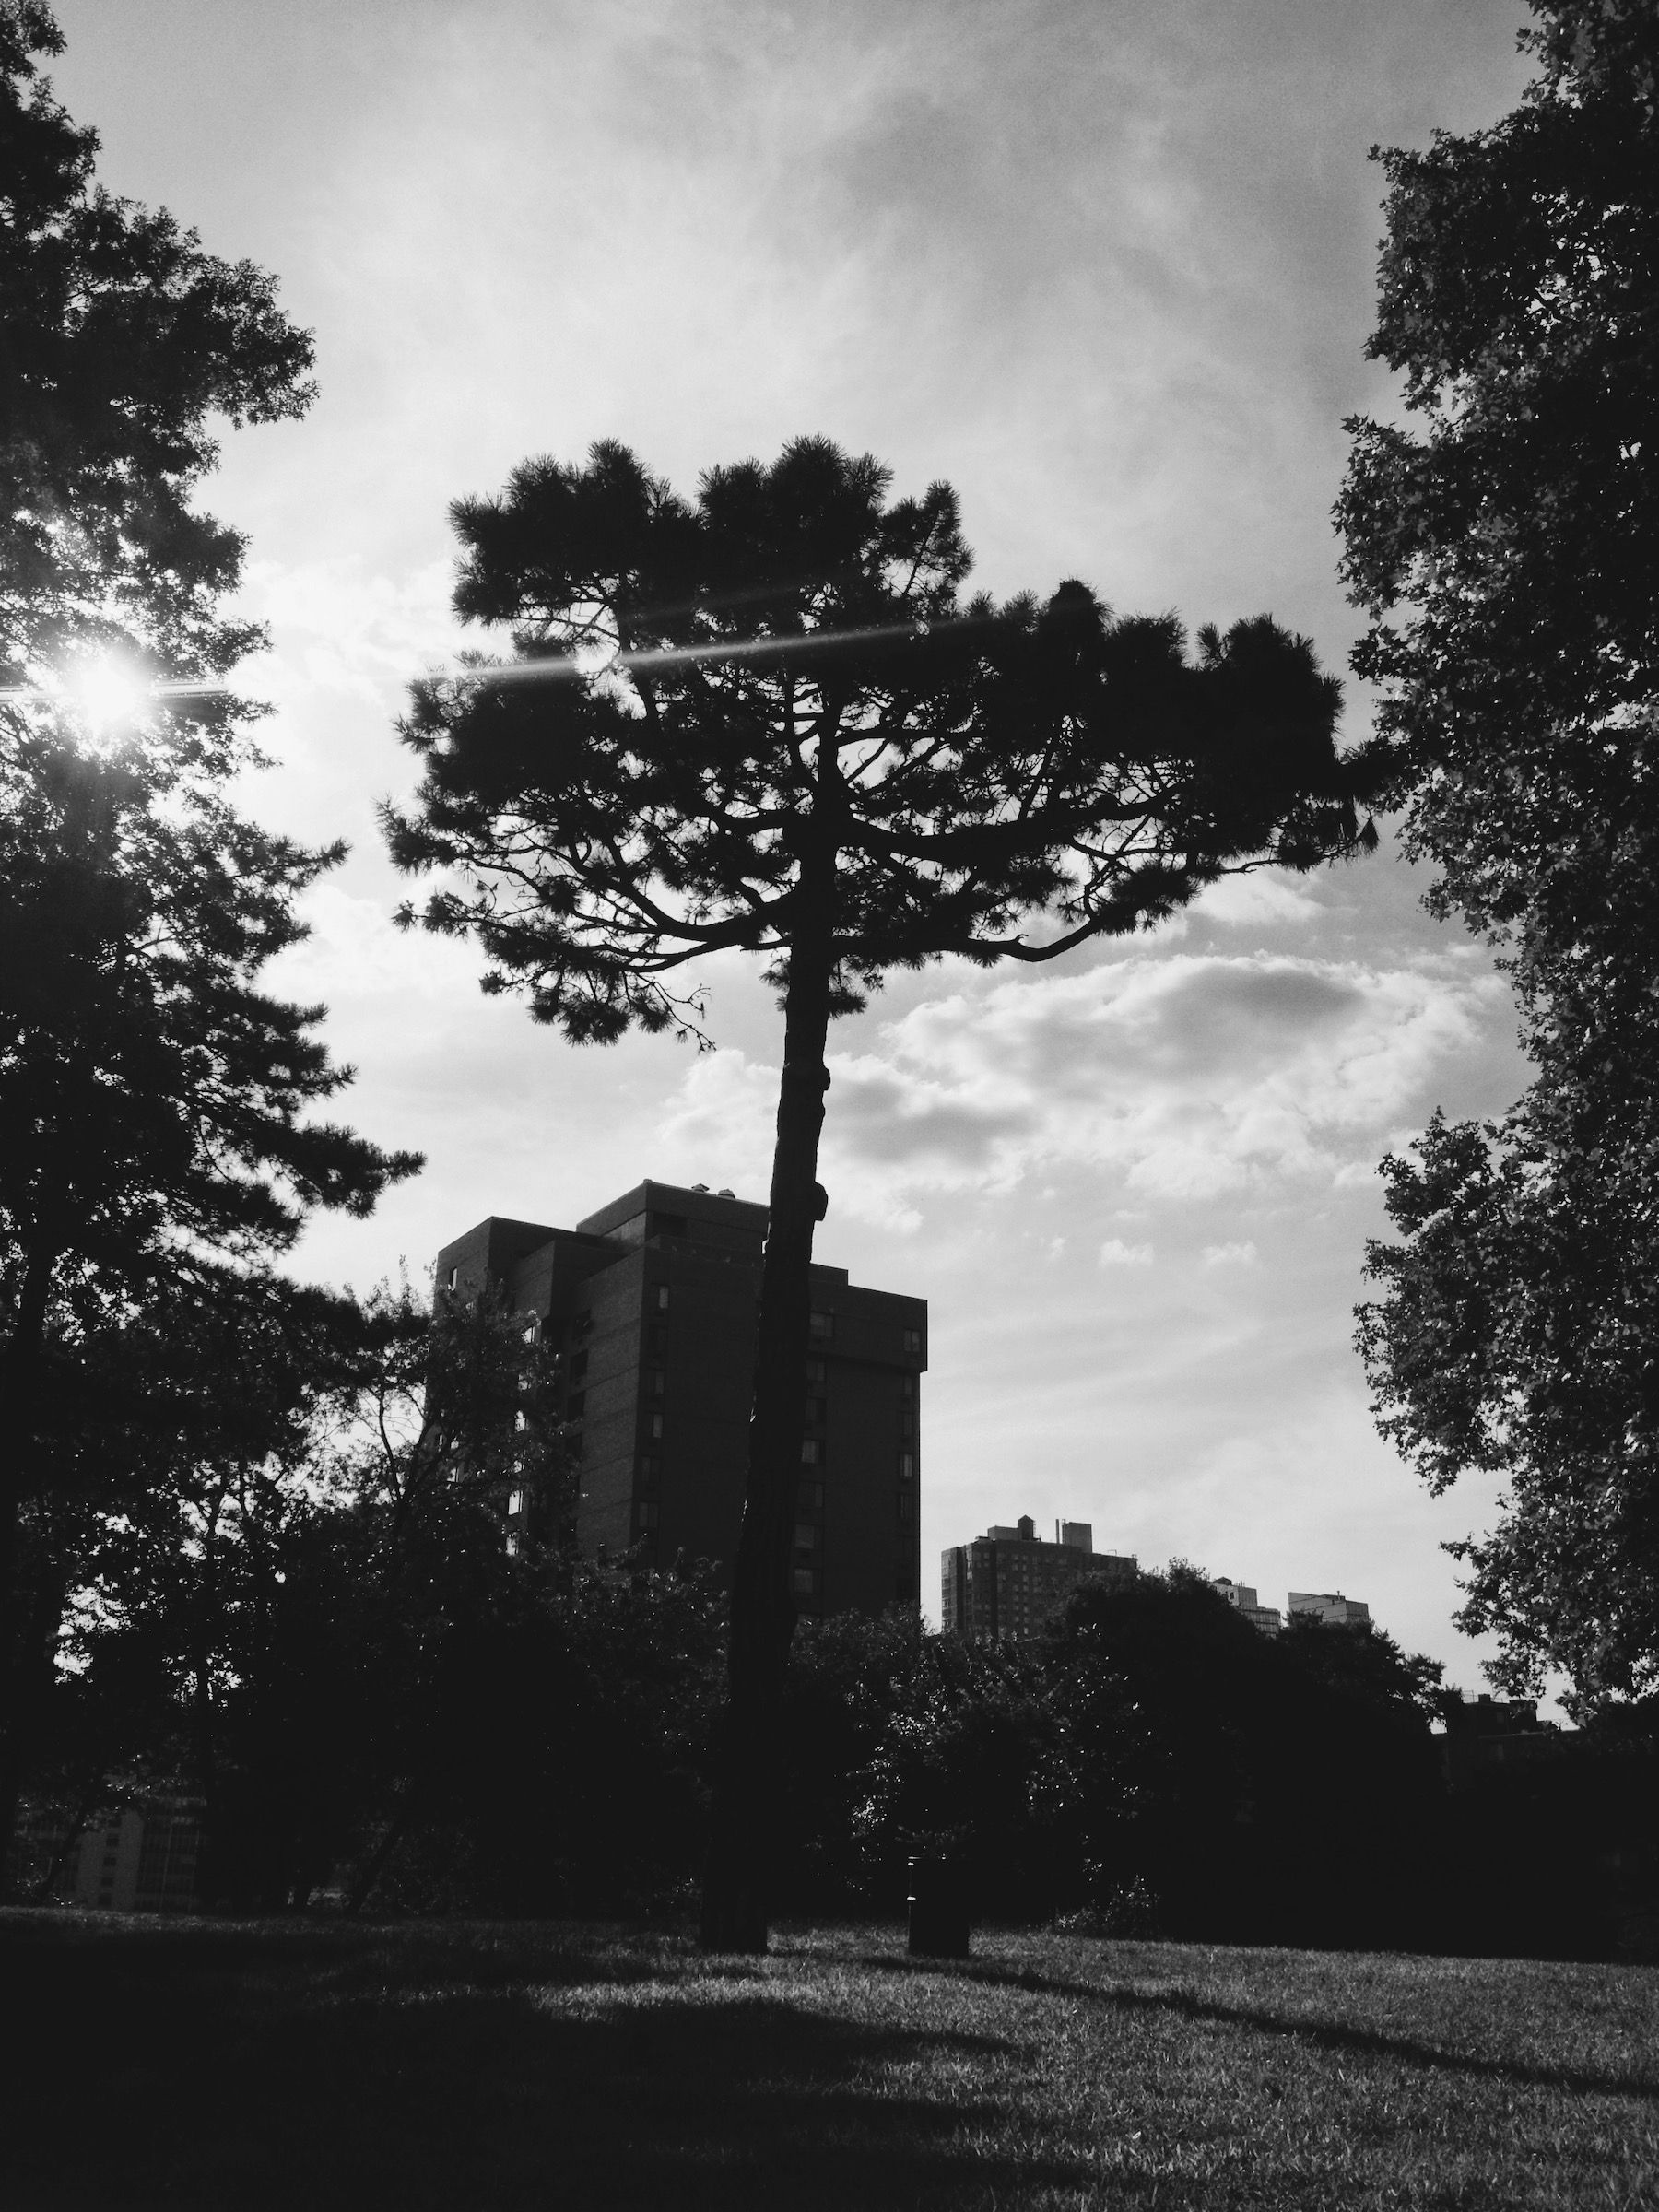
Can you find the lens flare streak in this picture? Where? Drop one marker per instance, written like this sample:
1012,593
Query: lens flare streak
567,667
60,695
93,694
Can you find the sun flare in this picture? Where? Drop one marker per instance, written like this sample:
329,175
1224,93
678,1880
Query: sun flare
106,694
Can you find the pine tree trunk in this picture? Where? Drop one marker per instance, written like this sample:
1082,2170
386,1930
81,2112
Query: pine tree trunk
737,1880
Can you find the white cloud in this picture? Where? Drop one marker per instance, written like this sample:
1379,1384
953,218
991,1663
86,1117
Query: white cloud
355,951
1230,1255
1259,901
1114,1252
1181,1075
1172,1076
337,627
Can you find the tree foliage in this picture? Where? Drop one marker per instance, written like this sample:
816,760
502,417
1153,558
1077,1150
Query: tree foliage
1507,552
1152,1757
766,720
329,1646
156,1106
120,341
786,664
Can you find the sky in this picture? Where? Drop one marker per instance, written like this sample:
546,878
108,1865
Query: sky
1109,270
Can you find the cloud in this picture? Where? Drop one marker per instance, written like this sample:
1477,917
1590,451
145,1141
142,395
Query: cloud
1168,1075
355,951
340,628
1230,1255
1114,1252
1180,1076
1258,902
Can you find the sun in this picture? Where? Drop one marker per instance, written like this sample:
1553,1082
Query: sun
106,694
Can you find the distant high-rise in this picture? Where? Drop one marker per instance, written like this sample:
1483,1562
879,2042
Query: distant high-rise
650,1305
1239,1596
1330,1606
1008,1583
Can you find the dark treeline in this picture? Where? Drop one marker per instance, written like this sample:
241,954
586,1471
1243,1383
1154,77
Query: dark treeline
329,1650
316,1633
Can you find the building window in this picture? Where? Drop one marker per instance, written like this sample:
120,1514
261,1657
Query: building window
645,1513
821,1328
656,1339
907,1421
818,1413
578,1366
907,1386
651,1469
656,1382
455,1276
907,1467
913,1340
907,1505
512,1546
815,1496
532,1328
516,1504
806,1536
802,1582
812,1452
662,1298
656,1427
576,1405
817,1371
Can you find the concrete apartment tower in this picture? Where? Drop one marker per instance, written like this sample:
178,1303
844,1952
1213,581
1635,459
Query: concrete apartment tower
650,1305
1007,1585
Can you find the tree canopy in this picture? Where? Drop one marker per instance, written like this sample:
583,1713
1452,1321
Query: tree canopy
783,669
1507,552
156,1104
122,343
766,719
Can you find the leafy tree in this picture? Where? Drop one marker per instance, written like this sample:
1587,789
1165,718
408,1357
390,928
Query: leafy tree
1358,1660
1506,551
766,720
850,1677
1258,1787
1515,1337
188,1541
154,1102
332,1649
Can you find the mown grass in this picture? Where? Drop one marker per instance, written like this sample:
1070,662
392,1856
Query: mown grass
262,2063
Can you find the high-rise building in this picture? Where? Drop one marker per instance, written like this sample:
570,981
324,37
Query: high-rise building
139,1862
650,1305
1330,1606
1243,1599
1008,1583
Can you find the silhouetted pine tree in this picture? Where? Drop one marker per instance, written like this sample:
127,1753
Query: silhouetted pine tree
766,721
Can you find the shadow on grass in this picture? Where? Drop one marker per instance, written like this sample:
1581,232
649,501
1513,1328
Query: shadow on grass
1332,2035
250,2067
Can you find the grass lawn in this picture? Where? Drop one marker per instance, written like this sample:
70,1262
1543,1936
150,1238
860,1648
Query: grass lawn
233,2064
